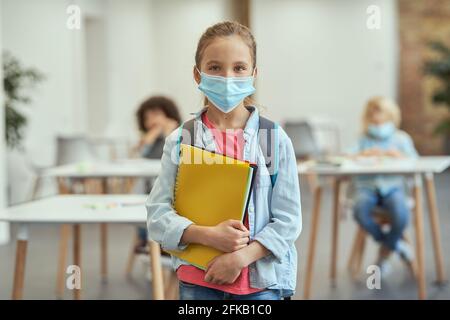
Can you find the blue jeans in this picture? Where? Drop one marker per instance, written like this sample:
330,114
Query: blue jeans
190,291
142,234
394,203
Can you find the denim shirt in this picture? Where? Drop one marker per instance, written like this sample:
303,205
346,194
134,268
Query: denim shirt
274,213
400,141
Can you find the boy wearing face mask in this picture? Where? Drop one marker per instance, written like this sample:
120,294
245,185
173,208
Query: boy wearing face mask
382,138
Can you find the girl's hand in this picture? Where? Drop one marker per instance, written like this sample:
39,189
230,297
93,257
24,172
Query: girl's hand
228,236
225,269
372,152
394,153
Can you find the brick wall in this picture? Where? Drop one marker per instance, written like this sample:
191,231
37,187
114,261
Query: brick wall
420,22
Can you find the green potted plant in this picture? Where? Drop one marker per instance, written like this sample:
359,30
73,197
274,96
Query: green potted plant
440,69
16,79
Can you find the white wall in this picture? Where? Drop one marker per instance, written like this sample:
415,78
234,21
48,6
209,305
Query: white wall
36,33
130,62
178,25
316,58
4,227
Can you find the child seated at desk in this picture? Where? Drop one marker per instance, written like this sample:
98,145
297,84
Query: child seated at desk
157,117
382,138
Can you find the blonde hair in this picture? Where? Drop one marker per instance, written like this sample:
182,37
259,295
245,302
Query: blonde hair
383,105
226,29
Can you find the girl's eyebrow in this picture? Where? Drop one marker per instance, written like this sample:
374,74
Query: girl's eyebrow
213,62
241,62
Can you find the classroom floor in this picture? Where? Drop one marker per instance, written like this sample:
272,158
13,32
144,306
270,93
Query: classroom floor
43,247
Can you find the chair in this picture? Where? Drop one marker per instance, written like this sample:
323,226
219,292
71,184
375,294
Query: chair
303,139
357,252
69,149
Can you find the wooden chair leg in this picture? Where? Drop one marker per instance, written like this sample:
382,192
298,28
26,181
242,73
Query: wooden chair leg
420,253
77,256
312,241
312,181
360,256
19,272
156,269
435,227
171,288
132,255
62,260
354,251
335,230
104,237
63,188
414,262
104,250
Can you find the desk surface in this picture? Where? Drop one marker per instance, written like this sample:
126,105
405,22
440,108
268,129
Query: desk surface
434,164
132,168
79,209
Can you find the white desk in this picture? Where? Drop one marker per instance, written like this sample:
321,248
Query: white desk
422,167
121,168
434,164
127,168
76,210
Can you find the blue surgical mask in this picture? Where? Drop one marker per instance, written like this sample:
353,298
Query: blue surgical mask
226,93
382,131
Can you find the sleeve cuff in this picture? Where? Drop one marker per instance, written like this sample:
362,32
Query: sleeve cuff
172,236
267,238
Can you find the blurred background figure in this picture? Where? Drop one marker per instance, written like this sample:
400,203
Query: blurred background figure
381,138
156,117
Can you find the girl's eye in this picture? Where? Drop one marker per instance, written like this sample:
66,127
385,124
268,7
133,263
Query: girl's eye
240,68
213,68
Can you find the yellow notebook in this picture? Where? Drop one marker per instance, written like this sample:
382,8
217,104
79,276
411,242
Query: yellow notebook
210,188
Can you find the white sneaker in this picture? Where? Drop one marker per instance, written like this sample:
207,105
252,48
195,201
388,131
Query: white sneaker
405,251
406,254
385,267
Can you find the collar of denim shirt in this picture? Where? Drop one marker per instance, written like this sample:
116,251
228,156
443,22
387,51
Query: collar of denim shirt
251,127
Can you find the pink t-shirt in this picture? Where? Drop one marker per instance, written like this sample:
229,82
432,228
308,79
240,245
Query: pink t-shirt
230,143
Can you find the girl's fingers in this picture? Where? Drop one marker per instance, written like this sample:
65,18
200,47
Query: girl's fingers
238,225
244,240
208,277
241,234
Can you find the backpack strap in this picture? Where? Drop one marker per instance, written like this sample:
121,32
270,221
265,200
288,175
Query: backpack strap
186,132
268,141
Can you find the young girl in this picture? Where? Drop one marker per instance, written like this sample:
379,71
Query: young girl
382,138
260,259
